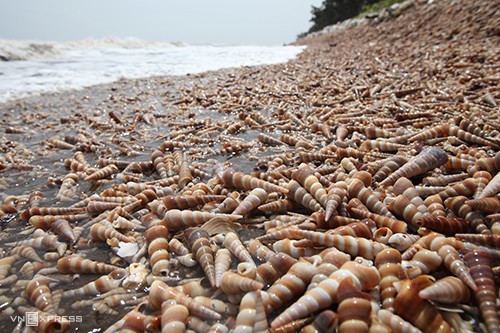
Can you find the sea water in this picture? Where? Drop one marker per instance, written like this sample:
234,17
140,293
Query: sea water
30,68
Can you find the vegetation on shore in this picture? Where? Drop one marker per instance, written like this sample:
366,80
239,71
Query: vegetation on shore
334,11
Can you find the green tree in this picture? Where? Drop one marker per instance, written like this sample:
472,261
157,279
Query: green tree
333,11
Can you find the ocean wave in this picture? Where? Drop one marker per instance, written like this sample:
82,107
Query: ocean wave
19,50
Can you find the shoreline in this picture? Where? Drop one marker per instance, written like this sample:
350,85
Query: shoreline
363,93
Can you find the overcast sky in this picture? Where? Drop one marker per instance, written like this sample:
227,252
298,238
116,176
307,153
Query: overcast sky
263,22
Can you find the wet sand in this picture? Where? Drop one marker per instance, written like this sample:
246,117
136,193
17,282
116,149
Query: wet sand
432,65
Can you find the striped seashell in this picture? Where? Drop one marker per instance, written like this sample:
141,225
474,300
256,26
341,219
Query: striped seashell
306,157
45,221
105,172
101,285
177,247
299,194
469,137
268,140
189,201
158,159
175,219
232,283
199,242
26,252
458,206
185,175
325,321
295,248
290,286
67,191
464,188
158,250
491,240
305,177
416,310
402,241
391,165
239,180
388,263
435,206
335,196
62,228
161,292
229,204
222,262
434,132
274,268
251,316
39,293
135,320
29,269
255,198
444,225
247,269
443,180
26,214
396,323
101,232
447,248
353,314
97,207
356,207
367,196
382,235
259,250
47,242
324,294
456,163
75,264
480,264
486,205
173,317
187,260
448,290
278,206
234,244
381,145
428,159
352,245
482,179
423,262
354,229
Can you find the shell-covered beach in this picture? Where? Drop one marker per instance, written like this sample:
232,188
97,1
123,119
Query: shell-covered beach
355,187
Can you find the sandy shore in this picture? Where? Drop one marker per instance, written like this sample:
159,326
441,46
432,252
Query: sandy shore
436,64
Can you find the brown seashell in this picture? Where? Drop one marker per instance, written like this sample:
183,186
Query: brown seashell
232,283
448,290
75,264
290,286
388,263
416,310
428,159
480,265
324,294
199,243
173,318
255,198
160,292
239,180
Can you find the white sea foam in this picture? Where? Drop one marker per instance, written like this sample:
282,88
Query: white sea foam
37,67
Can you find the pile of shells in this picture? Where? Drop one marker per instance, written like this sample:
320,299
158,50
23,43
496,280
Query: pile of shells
355,188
